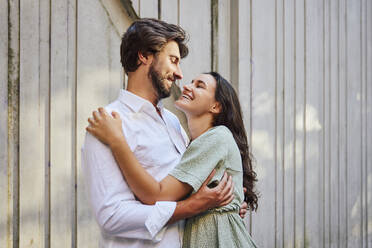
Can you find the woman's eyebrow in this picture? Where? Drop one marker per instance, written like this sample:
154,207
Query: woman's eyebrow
201,82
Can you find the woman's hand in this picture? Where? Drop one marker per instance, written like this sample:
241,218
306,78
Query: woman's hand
106,128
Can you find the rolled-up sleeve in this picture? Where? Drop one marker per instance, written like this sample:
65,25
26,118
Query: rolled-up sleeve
114,206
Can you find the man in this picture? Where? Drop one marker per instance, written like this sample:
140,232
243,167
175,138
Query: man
151,51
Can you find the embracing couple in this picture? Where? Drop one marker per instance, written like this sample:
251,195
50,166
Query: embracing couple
145,176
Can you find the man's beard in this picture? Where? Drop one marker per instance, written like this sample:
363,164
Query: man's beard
157,83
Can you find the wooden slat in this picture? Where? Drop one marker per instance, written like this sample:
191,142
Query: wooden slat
61,116
364,178
99,81
334,106
280,110
32,130
369,122
244,75
354,124
44,82
13,124
169,11
301,85
244,62
342,120
289,106
314,186
5,169
149,8
72,69
234,44
263,118
325,122
223,41
116,78
199,57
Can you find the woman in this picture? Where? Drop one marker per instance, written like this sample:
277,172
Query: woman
218,142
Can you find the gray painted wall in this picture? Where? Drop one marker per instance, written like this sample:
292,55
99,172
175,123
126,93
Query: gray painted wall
303,73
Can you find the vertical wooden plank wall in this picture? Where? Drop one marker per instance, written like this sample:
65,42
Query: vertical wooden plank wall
263,119
333,125
11,225
300,138
5,169
62,113
288,103
312,124
364,52
303,76
45,111
354,124
32,131
244,77
199,59
149,8
369,123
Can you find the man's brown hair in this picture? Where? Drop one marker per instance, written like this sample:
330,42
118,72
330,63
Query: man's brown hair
148,36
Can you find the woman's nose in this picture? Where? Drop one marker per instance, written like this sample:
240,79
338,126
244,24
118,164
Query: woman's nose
187,87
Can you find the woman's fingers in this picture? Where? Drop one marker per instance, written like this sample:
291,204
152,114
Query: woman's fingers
96,115
102,111
115,115
91,121
242,213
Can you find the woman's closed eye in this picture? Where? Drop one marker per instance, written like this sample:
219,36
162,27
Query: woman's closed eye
200,85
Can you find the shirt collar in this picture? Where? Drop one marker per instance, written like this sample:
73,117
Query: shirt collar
137,103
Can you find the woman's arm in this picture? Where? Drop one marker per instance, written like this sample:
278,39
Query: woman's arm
109,130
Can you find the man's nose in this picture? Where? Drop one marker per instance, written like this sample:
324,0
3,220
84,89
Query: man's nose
178,73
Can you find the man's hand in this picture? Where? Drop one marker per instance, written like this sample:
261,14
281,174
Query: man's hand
218,196
205,198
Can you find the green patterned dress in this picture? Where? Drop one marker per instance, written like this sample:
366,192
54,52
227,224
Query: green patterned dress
219,227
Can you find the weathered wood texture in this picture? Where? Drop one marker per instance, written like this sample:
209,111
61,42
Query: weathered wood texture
302,70
33,131
5,169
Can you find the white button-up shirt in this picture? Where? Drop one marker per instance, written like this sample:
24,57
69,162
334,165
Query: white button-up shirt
158,143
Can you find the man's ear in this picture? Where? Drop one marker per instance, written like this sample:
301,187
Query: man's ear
216,108
144,59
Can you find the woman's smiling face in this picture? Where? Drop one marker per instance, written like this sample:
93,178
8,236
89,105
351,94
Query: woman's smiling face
198,97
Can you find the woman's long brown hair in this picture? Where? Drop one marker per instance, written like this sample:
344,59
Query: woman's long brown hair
231,117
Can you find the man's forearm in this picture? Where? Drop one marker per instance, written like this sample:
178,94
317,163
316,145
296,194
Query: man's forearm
186,209
205,198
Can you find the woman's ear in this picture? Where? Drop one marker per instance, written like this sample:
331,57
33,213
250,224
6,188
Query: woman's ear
216,108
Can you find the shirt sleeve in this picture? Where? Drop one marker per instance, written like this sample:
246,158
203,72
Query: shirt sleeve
205,153
113,203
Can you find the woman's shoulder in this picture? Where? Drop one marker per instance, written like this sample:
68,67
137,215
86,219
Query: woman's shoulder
216,136
221,130
221,133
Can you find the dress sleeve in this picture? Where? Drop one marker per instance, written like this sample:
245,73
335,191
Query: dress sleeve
205,153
